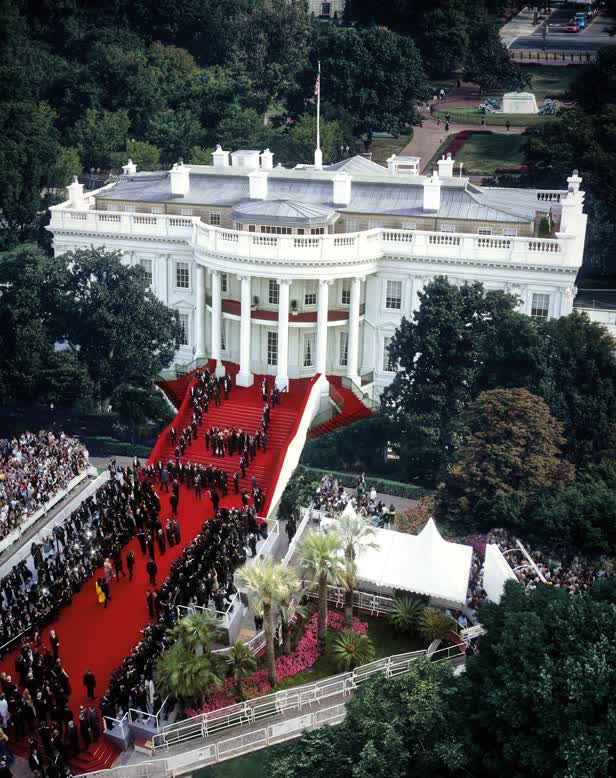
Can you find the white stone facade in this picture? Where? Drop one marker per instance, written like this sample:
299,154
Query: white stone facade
294,301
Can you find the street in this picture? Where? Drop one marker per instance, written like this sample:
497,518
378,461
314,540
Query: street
593,37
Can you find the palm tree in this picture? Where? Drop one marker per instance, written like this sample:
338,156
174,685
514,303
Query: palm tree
262,579
181,673
242,663
405,613
356,533
434,624
289,594
319,556
197,632
352,649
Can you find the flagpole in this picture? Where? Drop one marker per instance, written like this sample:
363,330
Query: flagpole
319,106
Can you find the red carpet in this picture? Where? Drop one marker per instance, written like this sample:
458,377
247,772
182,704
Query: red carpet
92,637
351,410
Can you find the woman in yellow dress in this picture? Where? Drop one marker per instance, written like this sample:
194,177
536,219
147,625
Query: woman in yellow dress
100,594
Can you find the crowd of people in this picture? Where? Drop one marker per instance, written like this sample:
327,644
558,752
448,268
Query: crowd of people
201,577
33,468
332,497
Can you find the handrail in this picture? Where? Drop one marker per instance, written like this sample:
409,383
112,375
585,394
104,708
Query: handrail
363,397
336,397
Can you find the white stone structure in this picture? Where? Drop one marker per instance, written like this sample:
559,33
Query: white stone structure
292,272
519,102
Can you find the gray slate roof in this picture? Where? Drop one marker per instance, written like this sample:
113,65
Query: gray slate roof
371,194
357,166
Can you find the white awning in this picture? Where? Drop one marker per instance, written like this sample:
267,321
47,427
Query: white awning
424,564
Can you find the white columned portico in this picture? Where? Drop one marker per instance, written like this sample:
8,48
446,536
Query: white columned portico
353,355
245,377
200,312
216,321
322,309
282,372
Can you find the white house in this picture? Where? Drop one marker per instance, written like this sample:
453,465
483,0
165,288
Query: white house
293,272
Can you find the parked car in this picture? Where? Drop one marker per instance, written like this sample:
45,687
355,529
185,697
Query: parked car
580,18
571,26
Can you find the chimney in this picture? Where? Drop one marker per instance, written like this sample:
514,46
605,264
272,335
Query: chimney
342,188
257,184
75,194
432,193
392,165
129,169
180,179
220,157
267,160
445,167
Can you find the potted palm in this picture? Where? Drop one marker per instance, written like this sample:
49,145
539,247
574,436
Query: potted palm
293,307
255,301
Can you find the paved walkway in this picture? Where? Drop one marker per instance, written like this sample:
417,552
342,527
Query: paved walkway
519,25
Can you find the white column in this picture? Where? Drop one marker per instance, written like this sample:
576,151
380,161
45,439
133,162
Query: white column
354,330
322,309
418,285
216,321
282,373
200,312
245,377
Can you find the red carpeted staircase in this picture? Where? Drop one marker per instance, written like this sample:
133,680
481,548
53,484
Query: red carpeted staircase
99,756
99,639
176,389
351,409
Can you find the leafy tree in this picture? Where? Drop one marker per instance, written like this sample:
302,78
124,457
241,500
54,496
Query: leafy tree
434,624
488,62
175,133
392,729
145,155
263,581
98,134
299,142
137,406
107,312
298,493
404,613
200,156
241,128
28,150
415,518
241,662
595,86
351,649
318,555
439,355
538,698
373,74
514,445
65,167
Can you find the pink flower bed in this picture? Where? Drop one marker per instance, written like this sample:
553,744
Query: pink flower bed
303,658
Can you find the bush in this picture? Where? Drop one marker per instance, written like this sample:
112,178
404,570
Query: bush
382,485
405,613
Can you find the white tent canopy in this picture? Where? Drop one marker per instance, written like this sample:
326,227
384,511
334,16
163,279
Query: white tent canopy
425,563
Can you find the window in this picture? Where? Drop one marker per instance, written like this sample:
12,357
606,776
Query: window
184,320
224,283
272,348
223,334
215,218
309,349
352,225
300,230
510,232
484,231
317,231
156,210
186,212
310,293
409,225
448,227
389,366
146,264
343,354
374,224
271,230
182,275
540,306
252,228
345,296
393,295
130,209
326,10
272,295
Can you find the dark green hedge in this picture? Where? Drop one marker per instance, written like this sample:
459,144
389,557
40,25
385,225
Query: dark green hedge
382,485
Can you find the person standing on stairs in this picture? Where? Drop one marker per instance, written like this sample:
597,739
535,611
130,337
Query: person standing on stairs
89,681
254,482
264,441
236,482
264,389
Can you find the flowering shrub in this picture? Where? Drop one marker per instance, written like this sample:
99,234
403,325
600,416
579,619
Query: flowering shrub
303,658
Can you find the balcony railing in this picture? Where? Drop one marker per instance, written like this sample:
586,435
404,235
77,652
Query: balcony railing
353,247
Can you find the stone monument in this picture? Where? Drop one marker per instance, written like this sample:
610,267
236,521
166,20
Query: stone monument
519,102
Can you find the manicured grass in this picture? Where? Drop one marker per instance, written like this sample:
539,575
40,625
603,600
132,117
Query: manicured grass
551,81
473,116
383,148
487,153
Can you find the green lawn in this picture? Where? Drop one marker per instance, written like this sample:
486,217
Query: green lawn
551,81
486,153
383,148
473,116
